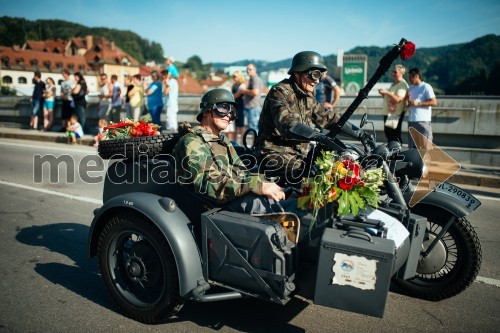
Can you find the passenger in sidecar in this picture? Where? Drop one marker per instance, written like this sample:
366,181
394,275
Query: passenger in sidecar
208,165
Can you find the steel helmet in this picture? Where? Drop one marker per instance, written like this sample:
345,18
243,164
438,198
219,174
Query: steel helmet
305,60
213,97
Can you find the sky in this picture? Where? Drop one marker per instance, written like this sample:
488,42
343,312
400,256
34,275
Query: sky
272,30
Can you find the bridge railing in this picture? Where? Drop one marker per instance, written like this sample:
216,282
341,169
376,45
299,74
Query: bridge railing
462,121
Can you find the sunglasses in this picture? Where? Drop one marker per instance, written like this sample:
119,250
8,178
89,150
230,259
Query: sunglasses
224,109
314,74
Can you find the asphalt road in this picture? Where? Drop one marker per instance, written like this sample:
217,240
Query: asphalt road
48,284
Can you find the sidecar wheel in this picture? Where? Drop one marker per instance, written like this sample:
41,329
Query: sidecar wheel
138,268
451,267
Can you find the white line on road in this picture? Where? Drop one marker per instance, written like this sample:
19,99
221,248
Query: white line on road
51,147
483,197
492,282
69,196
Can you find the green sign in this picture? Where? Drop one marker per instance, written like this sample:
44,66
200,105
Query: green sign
353,77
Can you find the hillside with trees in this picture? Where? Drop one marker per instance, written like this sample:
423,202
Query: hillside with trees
19,30
462,69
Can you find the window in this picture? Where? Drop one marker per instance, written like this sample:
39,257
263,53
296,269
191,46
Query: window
5,62
96,59
71,67
6,80
22,80
46,63
20,63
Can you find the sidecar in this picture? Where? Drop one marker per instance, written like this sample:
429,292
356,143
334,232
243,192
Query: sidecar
160,245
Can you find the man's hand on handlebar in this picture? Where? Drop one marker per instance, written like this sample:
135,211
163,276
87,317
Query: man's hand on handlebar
367,139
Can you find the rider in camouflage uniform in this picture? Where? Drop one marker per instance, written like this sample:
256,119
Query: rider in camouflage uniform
209,165
289,102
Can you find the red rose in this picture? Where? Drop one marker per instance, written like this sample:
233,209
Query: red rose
347,183
350,165
332,194
407,51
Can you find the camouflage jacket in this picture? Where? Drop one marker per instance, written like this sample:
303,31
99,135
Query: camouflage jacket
210,166
286,105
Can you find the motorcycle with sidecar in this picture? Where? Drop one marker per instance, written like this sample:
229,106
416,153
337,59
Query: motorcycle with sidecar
160,245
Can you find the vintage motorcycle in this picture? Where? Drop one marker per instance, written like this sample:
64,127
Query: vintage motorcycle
159,244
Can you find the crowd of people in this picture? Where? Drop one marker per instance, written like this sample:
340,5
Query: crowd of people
163,91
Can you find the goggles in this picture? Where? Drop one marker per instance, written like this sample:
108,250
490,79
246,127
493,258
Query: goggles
224,109
314,74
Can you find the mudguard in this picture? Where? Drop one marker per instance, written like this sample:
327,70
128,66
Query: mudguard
440,200
173,223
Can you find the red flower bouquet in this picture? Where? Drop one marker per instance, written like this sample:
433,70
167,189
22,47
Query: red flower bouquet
127,128
343,181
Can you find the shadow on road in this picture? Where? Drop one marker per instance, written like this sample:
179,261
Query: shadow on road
69,239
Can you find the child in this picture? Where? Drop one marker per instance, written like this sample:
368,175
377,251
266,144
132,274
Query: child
98,137
74,130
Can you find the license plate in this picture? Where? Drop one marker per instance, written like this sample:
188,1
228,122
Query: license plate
465,198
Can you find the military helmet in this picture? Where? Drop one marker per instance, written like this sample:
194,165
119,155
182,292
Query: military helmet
213,97
305,60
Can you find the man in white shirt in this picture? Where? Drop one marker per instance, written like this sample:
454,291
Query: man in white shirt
421,98
171,93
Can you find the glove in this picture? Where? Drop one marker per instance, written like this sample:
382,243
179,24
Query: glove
352,130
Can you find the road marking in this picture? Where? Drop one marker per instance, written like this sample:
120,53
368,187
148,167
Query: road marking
69,196
483,197
491,282
65,149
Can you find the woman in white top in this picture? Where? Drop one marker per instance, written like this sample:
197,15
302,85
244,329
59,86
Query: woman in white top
48,105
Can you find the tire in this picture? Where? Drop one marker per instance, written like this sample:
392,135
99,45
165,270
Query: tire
138,269
145,145
456,260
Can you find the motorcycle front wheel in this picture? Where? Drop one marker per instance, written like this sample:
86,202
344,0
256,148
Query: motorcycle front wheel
138,268
452,265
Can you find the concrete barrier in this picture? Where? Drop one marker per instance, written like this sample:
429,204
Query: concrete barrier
470,121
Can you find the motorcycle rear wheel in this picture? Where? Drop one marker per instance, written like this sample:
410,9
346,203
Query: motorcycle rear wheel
138,269
456,260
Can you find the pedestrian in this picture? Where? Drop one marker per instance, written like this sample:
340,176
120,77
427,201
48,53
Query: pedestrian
209,166
48,104
327,91
169,61
129,86
393,104
237,90
78,94
100,132
421,98
155,98
116,100
136,97
279,153
251,97
68,105
105,93
74,130
171,92
36,99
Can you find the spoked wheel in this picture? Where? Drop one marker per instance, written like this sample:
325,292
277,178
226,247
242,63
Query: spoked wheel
451,266
138,269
